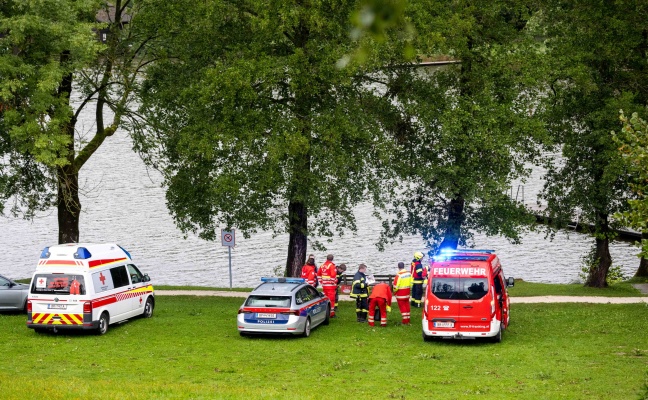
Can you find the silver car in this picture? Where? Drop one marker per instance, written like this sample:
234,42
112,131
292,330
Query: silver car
283,306
13,295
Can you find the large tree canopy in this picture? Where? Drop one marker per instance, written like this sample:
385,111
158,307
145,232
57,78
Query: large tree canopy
597,65
48,51
258,126
469,131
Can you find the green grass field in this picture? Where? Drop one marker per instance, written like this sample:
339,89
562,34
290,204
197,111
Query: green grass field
190,349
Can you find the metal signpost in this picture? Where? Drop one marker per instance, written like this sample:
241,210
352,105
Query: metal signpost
228,238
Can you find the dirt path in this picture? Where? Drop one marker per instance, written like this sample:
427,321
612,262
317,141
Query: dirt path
514,300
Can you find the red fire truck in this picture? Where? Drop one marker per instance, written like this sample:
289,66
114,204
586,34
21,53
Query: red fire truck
466,296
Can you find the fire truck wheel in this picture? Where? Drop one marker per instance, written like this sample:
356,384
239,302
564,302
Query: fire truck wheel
307,328
497,338
148,308
328,316
103,324
427,338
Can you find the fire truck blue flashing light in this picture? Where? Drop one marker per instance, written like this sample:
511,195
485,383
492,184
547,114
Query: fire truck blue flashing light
82,253
283,280
447,254
45,253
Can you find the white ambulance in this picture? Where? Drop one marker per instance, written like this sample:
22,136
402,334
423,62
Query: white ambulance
87,286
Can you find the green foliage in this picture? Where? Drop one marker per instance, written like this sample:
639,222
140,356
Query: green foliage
251,115
594,68
567,351
633,146
468,131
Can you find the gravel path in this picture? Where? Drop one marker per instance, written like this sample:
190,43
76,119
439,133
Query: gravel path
514,300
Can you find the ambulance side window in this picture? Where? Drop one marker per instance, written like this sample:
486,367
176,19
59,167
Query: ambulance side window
135,274
119,276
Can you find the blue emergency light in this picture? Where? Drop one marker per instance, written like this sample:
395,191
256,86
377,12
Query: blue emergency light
125,251
82,254
452,254
45,253
283,280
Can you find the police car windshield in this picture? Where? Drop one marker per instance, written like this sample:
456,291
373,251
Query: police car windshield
460,288
59,284
268,301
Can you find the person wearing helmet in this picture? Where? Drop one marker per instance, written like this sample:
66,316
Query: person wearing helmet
360,292
418,277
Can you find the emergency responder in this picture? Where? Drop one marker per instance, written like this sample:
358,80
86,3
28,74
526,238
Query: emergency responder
419,275
379,303
360,292
402,291
340,269
327,276
308,271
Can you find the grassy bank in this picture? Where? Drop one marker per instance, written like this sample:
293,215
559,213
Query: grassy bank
524,289
191,349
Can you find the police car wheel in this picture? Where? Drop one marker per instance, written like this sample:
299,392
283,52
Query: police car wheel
148,308
307,328
327,320
103,324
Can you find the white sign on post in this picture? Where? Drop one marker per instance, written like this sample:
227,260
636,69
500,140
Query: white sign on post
228,238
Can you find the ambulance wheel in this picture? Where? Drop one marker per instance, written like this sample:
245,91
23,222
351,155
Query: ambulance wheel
327,320
148,308
40,330
103,324
307,328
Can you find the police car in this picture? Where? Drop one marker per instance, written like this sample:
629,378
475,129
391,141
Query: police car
283,306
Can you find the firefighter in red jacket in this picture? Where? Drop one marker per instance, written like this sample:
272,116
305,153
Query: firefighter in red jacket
308,271
381,298
419,276
327,276
402,291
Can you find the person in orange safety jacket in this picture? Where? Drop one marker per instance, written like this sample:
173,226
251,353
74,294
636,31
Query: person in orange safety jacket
419,276
309,271
327,276
402,291
380,298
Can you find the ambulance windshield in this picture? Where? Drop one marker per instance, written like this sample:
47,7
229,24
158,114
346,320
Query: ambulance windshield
460,288
59,284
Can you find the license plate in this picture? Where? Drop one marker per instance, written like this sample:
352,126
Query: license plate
265,315
57,306
443,324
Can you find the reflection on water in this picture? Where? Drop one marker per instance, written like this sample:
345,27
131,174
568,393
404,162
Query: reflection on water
125,204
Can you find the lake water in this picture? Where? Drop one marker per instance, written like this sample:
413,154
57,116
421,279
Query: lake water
123,202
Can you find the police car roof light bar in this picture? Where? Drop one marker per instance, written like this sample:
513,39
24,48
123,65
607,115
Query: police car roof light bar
283,280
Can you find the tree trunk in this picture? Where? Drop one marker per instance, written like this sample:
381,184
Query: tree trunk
297,243
598,272
67,176
456,218
68,204
642,271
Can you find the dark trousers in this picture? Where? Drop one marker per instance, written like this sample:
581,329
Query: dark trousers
362,308
417,294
